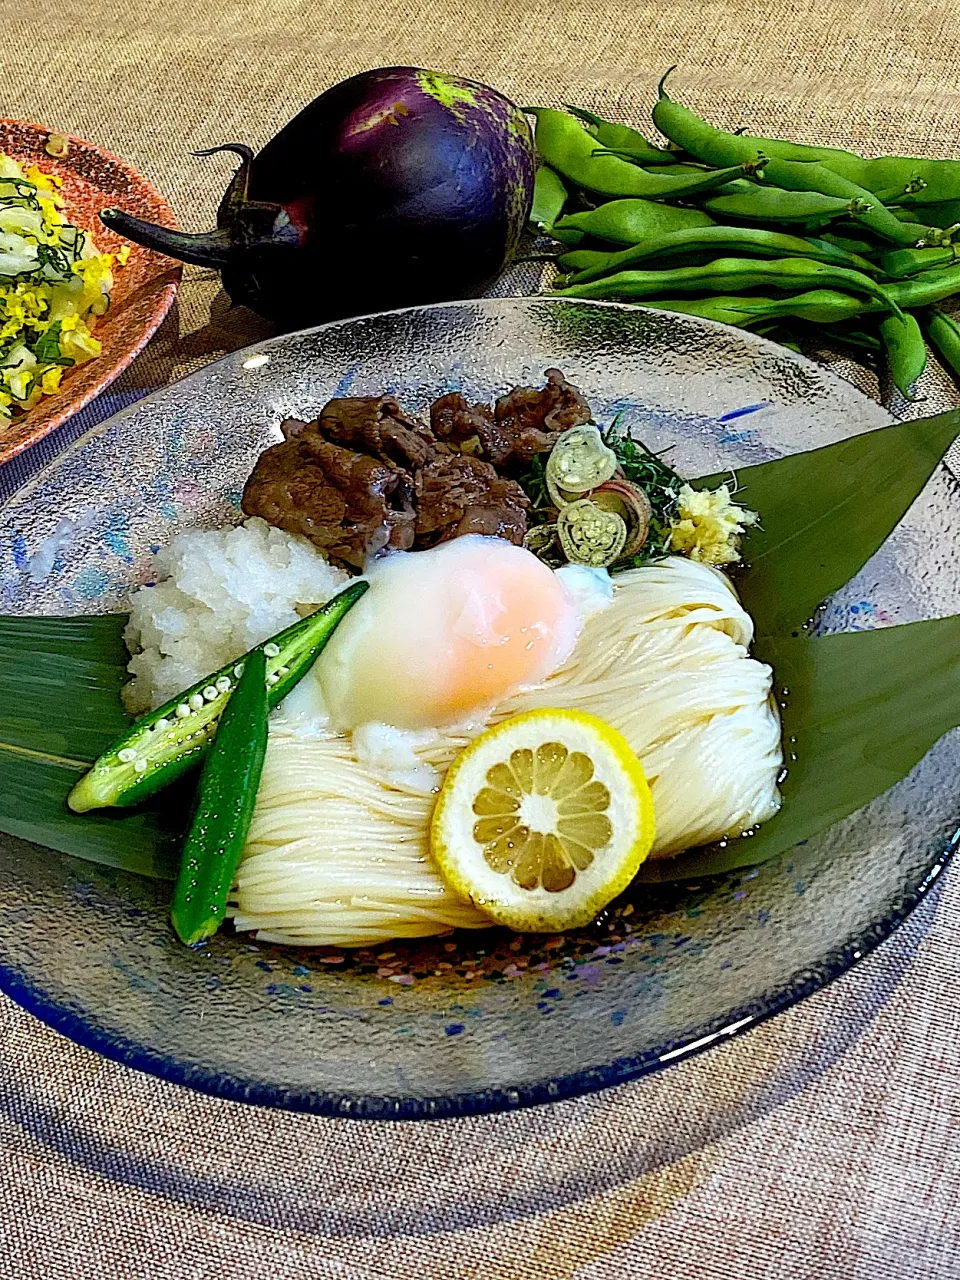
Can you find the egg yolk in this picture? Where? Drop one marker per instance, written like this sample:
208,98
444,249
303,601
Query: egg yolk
444,634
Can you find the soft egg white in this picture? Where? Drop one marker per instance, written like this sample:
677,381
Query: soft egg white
442,635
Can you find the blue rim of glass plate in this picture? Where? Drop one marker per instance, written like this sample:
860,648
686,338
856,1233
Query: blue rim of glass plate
804,982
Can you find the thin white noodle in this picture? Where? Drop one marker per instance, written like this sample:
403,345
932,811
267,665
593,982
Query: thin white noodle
339,856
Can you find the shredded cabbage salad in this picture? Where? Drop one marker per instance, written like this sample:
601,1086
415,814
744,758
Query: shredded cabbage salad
54,284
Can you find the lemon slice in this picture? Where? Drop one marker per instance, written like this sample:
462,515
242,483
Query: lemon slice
543,819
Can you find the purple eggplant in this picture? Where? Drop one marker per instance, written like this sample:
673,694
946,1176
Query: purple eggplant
396,187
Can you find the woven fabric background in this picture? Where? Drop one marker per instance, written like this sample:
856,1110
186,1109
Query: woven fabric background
823,1144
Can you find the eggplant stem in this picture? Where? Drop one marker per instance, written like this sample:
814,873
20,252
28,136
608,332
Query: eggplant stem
207,249
238,148
236,194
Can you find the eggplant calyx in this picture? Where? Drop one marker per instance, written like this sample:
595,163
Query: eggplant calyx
237,148
258,222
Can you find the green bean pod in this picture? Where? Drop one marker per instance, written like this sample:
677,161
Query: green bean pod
901,178
226,796
806,173
944,335
567,147
778,333
751,202
725,310
862,248
818,306
631,221
577,260
943,214
906,351
549,197
856,338
902,191
923,290
747,240
567,235
923,181
678,166
924,237
622,139
902,263
731,275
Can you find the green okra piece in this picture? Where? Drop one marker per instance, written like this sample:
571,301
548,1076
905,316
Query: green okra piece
164,744
226,797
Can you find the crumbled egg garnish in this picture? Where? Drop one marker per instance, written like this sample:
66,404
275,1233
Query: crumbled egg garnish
53,286
707,525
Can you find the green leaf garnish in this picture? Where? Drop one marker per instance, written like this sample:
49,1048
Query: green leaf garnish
824,513
47,347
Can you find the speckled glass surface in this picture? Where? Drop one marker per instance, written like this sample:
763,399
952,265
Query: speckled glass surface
478,1022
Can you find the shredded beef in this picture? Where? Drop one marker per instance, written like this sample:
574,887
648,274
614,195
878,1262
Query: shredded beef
376,426
349,505
523,423
532,417
459,494
460,423
364,477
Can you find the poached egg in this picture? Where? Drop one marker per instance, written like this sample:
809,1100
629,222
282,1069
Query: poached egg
442,635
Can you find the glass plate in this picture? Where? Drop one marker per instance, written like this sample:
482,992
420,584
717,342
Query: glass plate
476,1022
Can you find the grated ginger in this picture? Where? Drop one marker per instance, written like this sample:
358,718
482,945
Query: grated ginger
707,524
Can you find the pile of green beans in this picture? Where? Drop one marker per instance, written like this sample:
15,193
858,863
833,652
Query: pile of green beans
770,235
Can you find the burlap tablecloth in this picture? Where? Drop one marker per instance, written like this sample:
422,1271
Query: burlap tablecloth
823,1144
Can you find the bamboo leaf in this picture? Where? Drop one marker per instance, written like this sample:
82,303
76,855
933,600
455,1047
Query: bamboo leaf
33,806
60,681
864,708
825,512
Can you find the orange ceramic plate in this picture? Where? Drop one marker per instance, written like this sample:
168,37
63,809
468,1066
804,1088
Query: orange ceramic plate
143,290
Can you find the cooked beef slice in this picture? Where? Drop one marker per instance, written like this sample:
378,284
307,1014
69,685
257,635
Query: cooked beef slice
349,505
